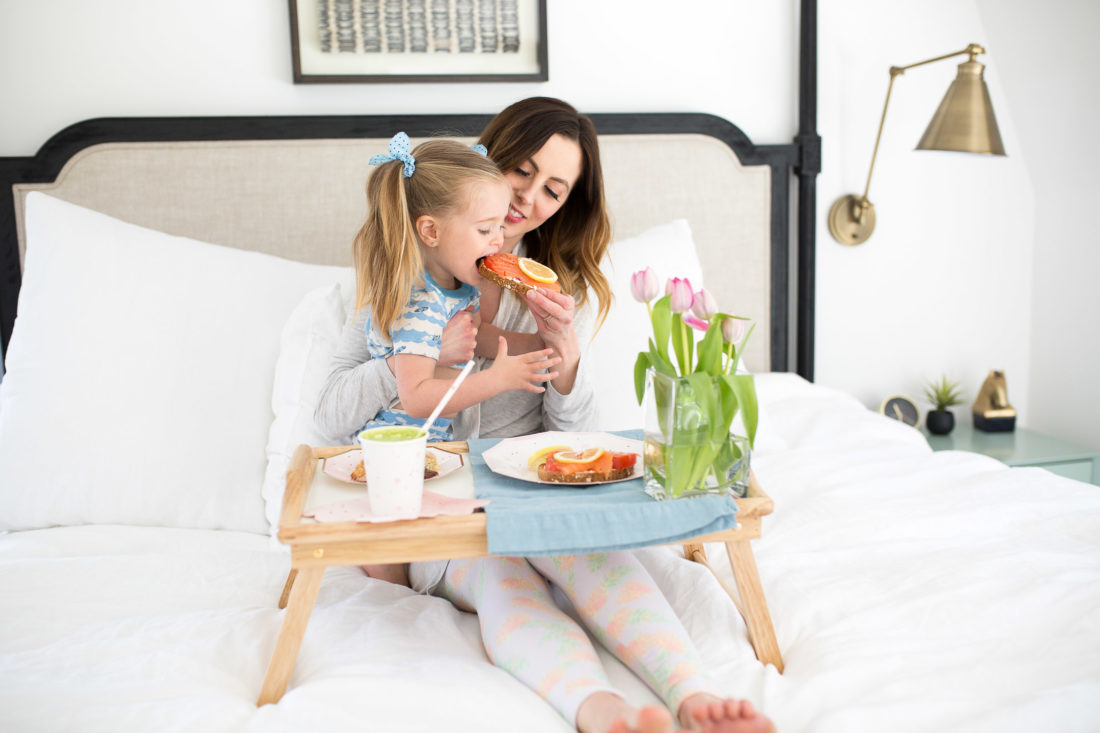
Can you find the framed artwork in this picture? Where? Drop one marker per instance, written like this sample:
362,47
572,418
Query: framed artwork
403,41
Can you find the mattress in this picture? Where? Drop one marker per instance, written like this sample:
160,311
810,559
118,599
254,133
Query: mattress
910,591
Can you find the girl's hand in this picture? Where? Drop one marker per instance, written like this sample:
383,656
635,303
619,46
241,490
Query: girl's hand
523,371
459,338
553,314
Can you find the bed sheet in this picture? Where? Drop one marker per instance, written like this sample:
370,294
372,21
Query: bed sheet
114,628
910,591
915,591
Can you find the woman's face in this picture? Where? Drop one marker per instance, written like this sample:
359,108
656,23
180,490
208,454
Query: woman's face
540,186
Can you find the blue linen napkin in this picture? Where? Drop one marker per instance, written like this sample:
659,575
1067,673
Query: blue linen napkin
528,519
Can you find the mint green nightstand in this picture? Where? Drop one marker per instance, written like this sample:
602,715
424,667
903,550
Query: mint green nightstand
1024,447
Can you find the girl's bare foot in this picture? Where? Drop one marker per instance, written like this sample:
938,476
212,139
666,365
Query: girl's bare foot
710,714
606,712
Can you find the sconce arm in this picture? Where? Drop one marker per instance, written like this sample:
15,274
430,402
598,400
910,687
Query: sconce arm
852,217
895,71
973,49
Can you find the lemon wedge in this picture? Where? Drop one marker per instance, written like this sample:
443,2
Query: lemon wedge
536,271
585,456
540,455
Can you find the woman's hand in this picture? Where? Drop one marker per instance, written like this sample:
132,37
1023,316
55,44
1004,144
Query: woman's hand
553,313
459,338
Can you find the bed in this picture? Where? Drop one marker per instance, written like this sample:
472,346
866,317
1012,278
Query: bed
181,283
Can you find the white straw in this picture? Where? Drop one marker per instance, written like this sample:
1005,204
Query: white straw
449,393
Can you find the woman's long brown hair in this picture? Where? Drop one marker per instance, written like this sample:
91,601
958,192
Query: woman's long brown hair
574,240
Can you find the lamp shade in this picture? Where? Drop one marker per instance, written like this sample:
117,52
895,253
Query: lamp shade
964,121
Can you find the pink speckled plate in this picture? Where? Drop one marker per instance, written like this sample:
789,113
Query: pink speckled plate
341,466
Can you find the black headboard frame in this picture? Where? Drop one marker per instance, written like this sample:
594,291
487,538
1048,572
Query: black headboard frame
800,158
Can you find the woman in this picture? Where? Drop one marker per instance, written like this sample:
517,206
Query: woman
569,183
550,157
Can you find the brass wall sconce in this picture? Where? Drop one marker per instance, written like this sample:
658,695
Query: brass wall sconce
963,123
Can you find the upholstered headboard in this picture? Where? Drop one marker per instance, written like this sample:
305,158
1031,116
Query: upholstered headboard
293,187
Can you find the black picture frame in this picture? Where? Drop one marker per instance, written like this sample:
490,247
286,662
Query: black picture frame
314,66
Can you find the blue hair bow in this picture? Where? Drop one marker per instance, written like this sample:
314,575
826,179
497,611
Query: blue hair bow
479,148
398,150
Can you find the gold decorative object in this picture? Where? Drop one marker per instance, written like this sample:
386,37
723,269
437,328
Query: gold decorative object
963,123
992,413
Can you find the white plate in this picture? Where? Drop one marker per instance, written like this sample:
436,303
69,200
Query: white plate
509,456
341,466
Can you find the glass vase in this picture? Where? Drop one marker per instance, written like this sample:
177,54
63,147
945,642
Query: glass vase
690,449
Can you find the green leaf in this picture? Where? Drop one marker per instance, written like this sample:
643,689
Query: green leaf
660,363
744,343
702,463
641,366
943,394
744,388
662,325
730,402
683,343
707,394
680,465
677,342
710,348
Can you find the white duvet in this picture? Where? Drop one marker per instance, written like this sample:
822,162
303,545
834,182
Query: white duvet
910,591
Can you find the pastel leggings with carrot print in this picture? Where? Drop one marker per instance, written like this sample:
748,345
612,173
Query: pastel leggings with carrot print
526,633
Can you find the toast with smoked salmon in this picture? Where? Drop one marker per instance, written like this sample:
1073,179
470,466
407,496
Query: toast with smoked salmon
518,274
585,467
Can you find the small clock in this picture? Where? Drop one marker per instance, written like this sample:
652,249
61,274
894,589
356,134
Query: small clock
901,408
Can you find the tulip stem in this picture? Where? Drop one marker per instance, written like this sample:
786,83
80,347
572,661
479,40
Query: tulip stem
684,358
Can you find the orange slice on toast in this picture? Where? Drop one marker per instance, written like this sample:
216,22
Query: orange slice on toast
588,455
537,271
541,454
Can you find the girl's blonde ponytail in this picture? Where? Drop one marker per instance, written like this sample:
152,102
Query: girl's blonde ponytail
387,257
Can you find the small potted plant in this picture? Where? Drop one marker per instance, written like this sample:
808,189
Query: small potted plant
942,395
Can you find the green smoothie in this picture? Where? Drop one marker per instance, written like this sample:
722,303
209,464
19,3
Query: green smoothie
392,434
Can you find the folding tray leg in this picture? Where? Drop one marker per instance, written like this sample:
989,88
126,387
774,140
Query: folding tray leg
287,588
302,596
755,611
754,608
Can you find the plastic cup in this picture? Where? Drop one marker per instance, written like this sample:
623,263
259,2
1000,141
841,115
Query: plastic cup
393,457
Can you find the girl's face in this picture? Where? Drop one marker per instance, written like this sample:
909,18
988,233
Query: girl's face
540,185
456,241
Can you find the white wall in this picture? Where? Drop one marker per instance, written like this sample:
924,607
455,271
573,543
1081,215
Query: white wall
1050,72
946,283
68,60
943,284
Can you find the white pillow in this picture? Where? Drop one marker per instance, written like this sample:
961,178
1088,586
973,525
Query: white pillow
140,375
309,341
670,251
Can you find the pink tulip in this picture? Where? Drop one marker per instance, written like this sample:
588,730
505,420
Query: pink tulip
696,323
733,330
705,306
644,285
682,298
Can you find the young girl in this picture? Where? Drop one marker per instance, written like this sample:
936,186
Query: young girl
432,214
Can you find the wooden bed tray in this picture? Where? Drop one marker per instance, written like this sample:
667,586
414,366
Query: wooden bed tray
315,546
